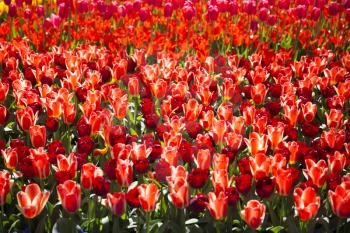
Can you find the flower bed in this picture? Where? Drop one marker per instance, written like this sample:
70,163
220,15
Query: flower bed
152,116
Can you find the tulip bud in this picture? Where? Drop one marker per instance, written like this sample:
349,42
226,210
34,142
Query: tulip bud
27,14
168,9
12,10
333,8
40,10
233,7
144,14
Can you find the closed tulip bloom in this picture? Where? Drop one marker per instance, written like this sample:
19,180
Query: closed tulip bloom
40,162
179,192
4,89
334,118
10,158
340,200
308,111
253,213
124,172
258,93
133,86
275,134
306,202
3,114
69,113
203,159
256,143
32,200
336,163
148,196
25,118
37,135
284,181
88,173
116,202
217,205
69,193
317,172
260,165
192,110
159,88
5,185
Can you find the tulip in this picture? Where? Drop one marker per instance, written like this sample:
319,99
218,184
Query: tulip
253,213
217,205
198,177
124,172
116,202
336,163
317,172
260,165
192,110
3,114
179,192
256,143
340,200
148,196
25,118
66,167
32,200
4,89
10,158
220,162
40,162
159,88
284,181
69,113
203,159
88,174
69,193
306,202
258,93
275,134
334,118
37,135
5,185
133,86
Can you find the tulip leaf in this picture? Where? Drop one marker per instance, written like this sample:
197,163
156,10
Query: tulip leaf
276,229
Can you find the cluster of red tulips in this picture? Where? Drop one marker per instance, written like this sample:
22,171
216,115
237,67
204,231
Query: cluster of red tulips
182,116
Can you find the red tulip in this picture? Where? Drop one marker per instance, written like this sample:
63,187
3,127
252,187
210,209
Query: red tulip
308,111
10,158
192,110
88,174
258,93
340,200
124,172
260,165
256,143
32,200
25,118
3,114
158,88
69,112
4,89
148,196
275,135
336,163
5,185
307,202
334,118
253,213
203,159
284,181
133,86
179,192
317,172
40,162
217,205
69,193
66,167
37,135
116,202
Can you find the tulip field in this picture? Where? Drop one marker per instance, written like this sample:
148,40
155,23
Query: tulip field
180,116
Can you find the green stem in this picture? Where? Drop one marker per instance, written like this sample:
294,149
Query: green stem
148,217
116,224
2,230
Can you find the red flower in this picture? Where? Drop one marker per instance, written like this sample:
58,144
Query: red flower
132,197
243,183
25,118
198,177
340,200
148,196
265,187
199,202
307,202
217,205
253,213
69,193
32,200
37,135
5,185
3,114
116,202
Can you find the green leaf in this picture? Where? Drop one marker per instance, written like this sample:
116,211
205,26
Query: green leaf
276,229
41,225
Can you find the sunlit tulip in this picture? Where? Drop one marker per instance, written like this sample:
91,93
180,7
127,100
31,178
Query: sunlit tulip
25,118
40,162
179,192
340,200
88,173
217,205
192,110
260,165
284,181
203,159
5,185
10,158
306,202
69,193
253,213
116,202
317,172
32,200
37,135
256,143
124,172
308,111
148,196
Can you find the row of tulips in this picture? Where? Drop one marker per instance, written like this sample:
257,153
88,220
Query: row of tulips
104,142
216,26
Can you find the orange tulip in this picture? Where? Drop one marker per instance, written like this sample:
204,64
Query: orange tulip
293,148
37,135
124,172
5,185
203,159
317,172
10,158
340,200
258,93
260,165
179,192
207,119
256,143
116,202
291,112
336,163
249,114
133,86
192,110
159,88
217,205
309,111
284,181
237,124
25,118
260,124
220,161
275,134
148,196
218,131
40,162
69,193
253,213
32,200
306,202
334,118
69,112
